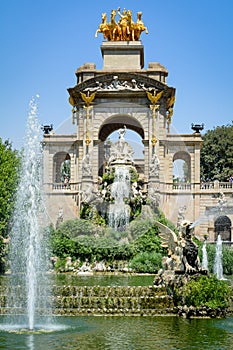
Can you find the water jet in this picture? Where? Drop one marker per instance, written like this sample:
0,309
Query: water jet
28,255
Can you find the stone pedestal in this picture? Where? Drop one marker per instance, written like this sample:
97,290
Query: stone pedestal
122,55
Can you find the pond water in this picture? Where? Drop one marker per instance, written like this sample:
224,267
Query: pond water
114,333
126,333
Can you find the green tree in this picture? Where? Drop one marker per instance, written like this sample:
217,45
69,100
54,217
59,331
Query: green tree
216,153
9,170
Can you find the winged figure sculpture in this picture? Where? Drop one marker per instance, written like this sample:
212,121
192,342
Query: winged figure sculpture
87,98
154,98
168,237
182,251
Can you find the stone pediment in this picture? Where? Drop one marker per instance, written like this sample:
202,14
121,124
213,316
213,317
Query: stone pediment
119,83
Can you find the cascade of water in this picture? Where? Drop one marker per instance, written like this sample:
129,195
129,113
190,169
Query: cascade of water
204,257
119,212
218,269
27,251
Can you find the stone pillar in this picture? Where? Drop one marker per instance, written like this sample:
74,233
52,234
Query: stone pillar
146,159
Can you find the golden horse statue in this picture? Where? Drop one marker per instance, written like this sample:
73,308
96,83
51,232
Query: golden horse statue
125,29
104,28
114,28
131,25
139,27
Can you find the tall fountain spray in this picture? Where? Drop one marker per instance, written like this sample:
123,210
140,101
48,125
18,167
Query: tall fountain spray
119,211
27,250
218,269
204,257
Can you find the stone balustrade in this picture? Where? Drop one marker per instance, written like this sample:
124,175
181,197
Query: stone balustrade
181,185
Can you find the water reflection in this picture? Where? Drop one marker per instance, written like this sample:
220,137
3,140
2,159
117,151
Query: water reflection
30,342
126,333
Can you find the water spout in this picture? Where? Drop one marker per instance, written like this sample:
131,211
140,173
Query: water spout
218,269
204,257
119,211
27,252
199,221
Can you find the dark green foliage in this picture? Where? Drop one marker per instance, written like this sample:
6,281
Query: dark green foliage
147,248
3,248
62,245
146,262
82,240
108,177
102,248
89,212
133,175
140,227
216,154
74,228
227,260
205,291
9,170
135,206
148,241
163,220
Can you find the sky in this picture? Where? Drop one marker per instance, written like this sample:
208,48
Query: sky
43,42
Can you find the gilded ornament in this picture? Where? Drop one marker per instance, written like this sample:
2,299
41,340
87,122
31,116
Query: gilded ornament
123,30
154,98
87,98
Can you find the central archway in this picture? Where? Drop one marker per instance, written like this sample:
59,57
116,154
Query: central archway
112,124
116,122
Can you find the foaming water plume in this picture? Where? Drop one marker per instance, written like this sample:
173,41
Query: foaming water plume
28,254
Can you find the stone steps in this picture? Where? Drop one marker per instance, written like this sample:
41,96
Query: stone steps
99,300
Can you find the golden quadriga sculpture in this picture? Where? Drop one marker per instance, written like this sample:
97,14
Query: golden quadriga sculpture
123,30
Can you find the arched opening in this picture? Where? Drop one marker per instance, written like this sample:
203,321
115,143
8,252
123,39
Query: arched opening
182,167
118,121
108,134
222,226
61,167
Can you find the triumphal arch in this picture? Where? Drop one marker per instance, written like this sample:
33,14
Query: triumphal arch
125,95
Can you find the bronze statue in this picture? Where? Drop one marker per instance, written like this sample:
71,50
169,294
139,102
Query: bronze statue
182,251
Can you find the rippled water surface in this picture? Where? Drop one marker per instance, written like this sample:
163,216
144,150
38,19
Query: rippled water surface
124,333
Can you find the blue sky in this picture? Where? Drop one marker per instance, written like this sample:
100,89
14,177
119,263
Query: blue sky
43,43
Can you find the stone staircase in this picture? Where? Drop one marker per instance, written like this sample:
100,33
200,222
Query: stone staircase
98,300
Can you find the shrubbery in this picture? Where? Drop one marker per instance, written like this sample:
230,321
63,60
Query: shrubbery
146,262
139,245
80,239
204,291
